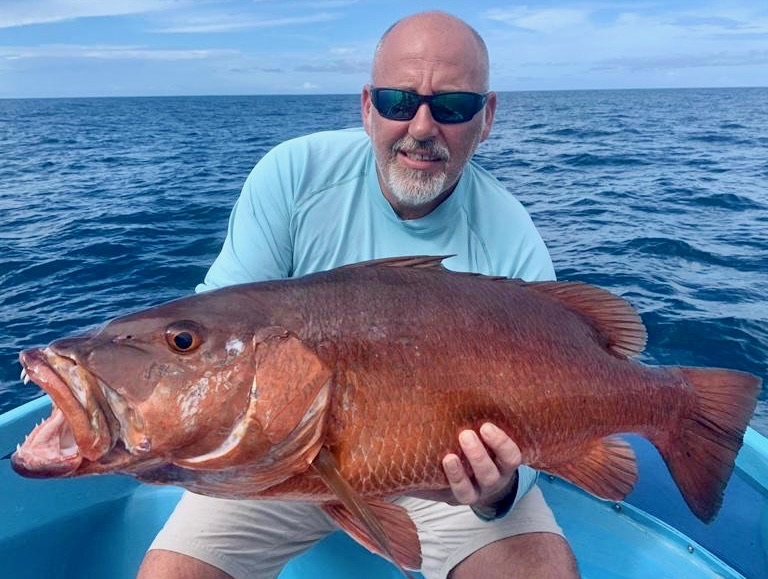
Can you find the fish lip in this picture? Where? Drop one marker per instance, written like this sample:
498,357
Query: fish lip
77,417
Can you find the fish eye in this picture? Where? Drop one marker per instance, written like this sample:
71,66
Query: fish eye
184,336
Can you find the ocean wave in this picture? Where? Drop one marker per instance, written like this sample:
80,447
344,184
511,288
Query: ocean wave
110,205
593,160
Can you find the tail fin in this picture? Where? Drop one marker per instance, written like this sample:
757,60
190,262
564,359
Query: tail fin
702,452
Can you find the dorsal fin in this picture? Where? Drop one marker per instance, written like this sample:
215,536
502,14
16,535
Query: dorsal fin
613,317
434,262
421,261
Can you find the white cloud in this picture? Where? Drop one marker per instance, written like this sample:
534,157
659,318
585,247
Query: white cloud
102,52
544,20
342,51
681,61
533,44
325,4
593,44
225,23
569,36
16,13
337,66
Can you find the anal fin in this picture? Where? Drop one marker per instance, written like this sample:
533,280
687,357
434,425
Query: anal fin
608,469
381,527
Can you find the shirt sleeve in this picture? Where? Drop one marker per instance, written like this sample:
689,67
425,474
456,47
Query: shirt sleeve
526,478
258,245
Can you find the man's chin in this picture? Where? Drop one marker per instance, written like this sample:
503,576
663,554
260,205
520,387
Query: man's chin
413,200
417,192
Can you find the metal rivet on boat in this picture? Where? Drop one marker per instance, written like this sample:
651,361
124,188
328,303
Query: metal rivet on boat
690,549
617,507
551,477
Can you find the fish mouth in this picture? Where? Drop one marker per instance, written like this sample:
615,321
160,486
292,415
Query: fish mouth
77,432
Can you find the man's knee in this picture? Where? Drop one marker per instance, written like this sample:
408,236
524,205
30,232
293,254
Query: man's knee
532,555
160,564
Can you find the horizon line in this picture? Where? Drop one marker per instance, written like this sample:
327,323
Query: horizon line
320,94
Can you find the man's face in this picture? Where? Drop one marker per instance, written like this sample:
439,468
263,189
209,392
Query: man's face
420,161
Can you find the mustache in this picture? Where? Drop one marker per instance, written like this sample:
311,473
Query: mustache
430,147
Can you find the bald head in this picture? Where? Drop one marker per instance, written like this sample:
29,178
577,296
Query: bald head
422,34
420,155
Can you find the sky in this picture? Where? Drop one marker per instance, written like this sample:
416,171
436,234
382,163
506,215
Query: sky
66,48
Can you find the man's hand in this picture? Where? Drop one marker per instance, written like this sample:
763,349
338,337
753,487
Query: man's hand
493,458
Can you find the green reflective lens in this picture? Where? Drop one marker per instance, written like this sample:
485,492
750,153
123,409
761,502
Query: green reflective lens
447,107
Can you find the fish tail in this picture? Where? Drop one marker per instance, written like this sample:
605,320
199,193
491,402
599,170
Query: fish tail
701,453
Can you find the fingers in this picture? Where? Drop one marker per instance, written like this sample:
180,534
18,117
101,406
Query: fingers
507,453
486,472
464,491
493,461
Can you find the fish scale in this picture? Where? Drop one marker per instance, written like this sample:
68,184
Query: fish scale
349,386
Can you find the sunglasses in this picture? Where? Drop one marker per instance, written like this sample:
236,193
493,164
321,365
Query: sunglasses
447,107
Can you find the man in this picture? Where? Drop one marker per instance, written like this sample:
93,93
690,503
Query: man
407,187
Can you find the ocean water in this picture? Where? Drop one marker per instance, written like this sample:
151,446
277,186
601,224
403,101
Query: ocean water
111,205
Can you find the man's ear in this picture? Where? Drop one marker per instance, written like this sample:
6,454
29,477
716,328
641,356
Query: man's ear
489,113
366,107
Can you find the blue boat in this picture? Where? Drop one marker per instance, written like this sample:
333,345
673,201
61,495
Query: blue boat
98,527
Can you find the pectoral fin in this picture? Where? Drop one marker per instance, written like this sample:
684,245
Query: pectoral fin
382,527
607,469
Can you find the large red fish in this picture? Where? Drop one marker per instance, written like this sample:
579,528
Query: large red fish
349,386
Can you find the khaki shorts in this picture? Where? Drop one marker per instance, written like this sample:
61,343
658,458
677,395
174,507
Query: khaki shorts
257,538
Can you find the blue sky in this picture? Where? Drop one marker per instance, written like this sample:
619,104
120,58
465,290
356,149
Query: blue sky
52,48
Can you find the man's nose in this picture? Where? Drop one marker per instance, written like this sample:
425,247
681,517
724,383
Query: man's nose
422,126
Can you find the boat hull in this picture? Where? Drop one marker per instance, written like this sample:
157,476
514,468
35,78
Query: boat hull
45,524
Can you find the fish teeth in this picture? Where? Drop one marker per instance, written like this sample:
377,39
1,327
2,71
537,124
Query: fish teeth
24,376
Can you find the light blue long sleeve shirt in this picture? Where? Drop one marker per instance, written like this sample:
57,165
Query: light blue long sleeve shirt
315,203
